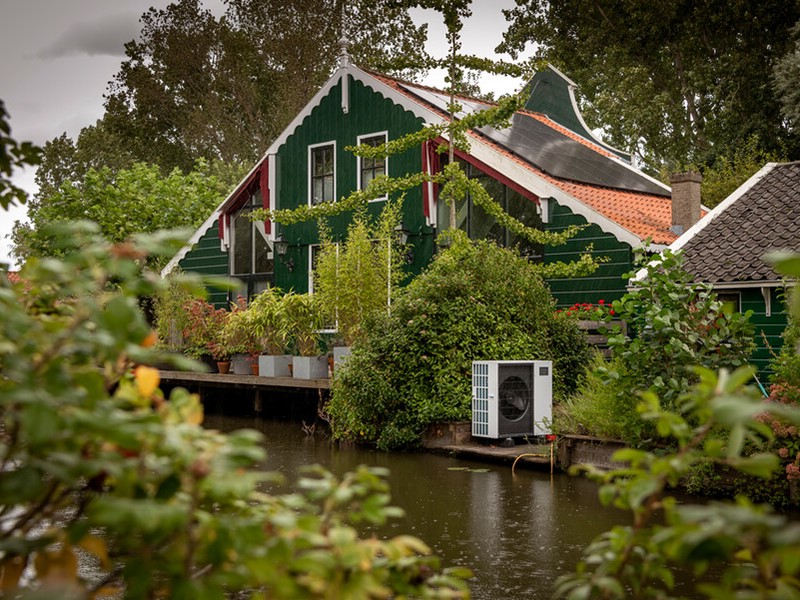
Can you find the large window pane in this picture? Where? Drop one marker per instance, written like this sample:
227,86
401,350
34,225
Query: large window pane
322,174
525,211
263,262
242,244
484,227
370,168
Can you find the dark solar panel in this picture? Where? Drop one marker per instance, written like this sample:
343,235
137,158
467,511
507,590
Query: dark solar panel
561,156
553,152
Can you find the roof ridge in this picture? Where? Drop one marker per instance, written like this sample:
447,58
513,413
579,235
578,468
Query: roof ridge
428,88
522,111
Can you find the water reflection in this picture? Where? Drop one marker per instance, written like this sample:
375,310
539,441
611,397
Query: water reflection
517,533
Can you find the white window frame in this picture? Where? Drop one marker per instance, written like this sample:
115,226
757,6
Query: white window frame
311,149
359,140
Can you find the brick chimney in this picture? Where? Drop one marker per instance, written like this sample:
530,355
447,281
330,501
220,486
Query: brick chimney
685,200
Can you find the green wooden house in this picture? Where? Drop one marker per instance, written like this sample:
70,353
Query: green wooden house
727,249
546,169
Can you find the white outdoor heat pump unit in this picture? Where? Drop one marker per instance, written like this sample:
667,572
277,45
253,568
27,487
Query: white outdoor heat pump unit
511,398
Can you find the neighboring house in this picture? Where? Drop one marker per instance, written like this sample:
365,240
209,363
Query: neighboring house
727,249
545,173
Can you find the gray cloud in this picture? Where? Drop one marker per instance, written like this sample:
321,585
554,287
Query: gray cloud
105,36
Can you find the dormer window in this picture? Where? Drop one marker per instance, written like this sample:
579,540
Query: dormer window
322,173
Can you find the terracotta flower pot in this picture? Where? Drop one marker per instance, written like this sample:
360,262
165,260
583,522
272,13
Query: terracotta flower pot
254,368
223,366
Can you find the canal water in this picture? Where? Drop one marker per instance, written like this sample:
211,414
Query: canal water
517,532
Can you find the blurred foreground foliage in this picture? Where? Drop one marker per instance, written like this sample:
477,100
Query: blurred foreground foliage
109,488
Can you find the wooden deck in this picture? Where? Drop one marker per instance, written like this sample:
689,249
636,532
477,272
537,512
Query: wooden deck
242,381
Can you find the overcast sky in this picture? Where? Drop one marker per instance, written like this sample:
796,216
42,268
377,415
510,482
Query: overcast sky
57,57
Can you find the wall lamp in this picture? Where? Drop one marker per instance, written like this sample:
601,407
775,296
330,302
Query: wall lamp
401,234
281,246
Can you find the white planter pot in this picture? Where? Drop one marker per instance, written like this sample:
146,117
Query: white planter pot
340,354
274,366
310,367
240,364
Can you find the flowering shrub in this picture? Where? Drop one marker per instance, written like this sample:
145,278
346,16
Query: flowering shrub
586,311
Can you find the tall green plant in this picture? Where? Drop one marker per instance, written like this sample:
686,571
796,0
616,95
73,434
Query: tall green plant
356,279
673,325
239,334
171,317
305,320
269,321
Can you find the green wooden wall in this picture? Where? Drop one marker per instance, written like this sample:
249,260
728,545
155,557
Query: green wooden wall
206,258
606,283
369,113
768,329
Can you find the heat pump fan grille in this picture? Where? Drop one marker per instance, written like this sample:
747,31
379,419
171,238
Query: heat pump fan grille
514,396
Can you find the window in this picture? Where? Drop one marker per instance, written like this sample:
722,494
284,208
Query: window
731,302
370,168
479,225
251,255
322,169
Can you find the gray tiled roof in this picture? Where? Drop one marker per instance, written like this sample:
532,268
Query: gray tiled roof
731,247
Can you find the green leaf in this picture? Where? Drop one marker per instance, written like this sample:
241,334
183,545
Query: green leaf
21,485
169,487
762,465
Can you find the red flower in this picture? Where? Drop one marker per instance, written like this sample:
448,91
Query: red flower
601,301
611,312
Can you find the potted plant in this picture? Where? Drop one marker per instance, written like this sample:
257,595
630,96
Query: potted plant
220,351
241,339
304,321
270,327
203,331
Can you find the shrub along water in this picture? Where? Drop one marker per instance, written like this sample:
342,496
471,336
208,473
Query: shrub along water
735,549
475,302
673,325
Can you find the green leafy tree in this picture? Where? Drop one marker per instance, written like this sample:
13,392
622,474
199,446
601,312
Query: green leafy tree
191,87
135,200
197,87
785,76
722,177
65,160
299,42
671,81
13,155
412,367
